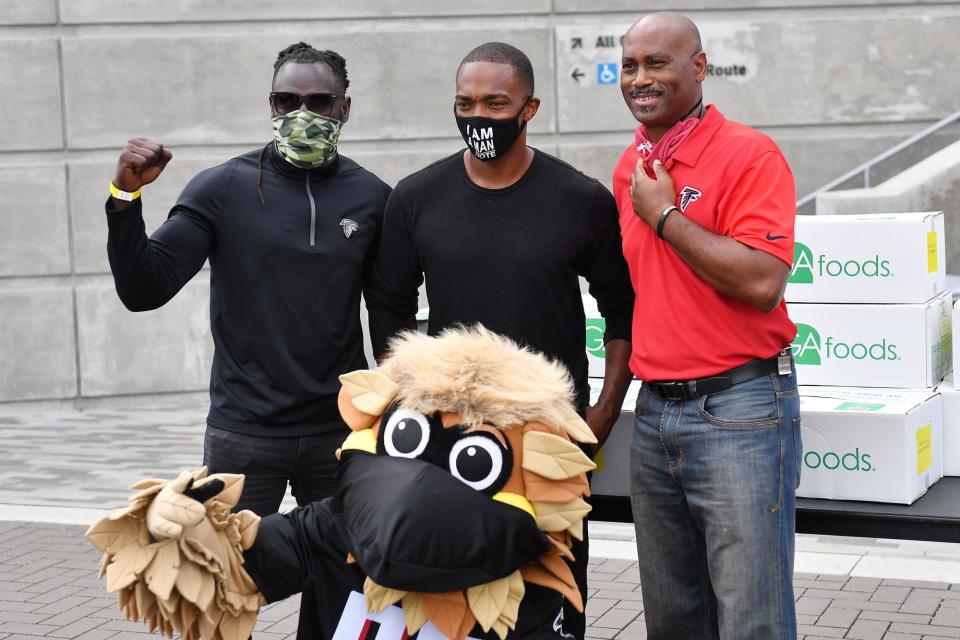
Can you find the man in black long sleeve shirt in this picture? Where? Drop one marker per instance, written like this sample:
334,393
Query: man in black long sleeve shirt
290,232
501,235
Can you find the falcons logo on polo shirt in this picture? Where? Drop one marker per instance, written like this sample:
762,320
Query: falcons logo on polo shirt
688,195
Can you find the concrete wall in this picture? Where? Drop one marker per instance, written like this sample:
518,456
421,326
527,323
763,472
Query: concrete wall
930,185
833,81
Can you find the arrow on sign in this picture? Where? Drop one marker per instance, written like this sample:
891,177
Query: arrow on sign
577,74
576,43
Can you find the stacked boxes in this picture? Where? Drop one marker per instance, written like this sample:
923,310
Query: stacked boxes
868,296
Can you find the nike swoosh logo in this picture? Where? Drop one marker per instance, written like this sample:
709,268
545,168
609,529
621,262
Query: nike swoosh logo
773,237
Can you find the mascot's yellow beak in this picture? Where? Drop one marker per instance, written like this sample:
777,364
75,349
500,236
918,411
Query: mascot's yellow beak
364,440
516,500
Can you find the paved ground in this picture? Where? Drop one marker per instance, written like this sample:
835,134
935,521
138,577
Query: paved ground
66,466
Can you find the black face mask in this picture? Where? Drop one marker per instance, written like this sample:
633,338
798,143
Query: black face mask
490,138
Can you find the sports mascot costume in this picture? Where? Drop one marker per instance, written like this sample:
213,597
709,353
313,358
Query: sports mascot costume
460,487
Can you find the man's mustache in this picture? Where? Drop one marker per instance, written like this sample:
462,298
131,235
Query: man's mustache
636,92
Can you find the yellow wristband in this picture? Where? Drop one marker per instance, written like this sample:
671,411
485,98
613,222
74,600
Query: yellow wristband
123,195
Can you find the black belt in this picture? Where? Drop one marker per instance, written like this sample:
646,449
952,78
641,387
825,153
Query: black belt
686,389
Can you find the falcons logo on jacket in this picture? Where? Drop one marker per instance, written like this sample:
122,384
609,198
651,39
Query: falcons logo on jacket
688,195
348,226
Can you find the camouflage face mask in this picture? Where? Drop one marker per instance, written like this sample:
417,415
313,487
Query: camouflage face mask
305,139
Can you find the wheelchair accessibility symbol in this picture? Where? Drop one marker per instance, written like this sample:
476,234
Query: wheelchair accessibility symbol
607,73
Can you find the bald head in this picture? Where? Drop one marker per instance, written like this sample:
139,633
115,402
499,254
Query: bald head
662,68
677,28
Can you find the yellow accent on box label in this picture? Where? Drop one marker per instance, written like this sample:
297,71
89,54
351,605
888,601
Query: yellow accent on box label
924,448
598,460
931,251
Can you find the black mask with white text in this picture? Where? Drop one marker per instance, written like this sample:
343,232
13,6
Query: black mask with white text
490,138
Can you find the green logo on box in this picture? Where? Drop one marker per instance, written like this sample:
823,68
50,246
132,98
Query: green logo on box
809,349
802,271
596,327
805,266
806,346
860,406
850,461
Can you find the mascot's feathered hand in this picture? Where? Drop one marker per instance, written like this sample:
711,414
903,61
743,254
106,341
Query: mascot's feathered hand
174,555
499,421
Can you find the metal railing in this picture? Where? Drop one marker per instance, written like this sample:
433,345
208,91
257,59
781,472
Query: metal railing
865,168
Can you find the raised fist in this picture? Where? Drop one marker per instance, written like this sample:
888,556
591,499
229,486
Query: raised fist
141,161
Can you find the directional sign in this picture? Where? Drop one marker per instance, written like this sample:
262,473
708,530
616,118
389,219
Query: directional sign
588,72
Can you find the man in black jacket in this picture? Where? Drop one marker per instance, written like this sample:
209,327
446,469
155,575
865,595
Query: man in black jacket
289,230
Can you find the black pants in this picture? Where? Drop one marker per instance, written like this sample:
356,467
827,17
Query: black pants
308,463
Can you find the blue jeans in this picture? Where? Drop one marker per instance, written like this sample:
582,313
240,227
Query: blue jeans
713,483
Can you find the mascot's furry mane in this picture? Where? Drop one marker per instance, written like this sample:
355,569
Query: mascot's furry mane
484,377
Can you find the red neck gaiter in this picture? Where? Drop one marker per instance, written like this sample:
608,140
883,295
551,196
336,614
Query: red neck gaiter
665,147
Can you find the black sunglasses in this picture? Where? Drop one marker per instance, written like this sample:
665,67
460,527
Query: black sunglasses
320,103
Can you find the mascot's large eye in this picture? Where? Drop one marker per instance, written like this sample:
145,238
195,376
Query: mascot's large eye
477,461
406,434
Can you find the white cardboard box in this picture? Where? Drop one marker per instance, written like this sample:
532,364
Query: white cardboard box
873,345
880,258
877,445
612,475
596,327
951,426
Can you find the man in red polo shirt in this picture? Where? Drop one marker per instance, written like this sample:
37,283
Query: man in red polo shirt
707,211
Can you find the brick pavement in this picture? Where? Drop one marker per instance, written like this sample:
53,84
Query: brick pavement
60,458
48,589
